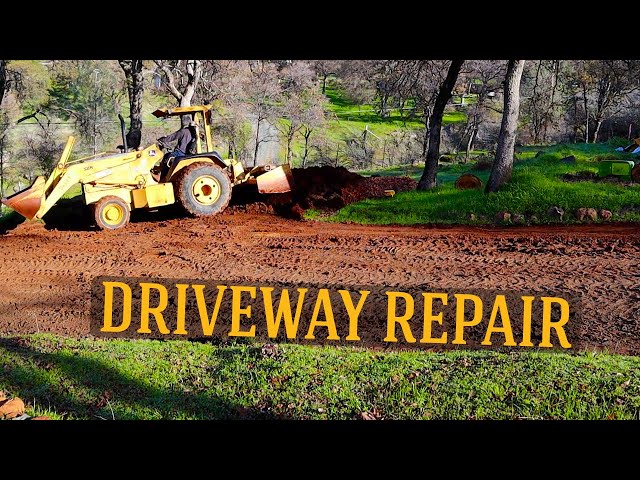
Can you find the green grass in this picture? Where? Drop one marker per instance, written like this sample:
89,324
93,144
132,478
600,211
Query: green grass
141,379
536,185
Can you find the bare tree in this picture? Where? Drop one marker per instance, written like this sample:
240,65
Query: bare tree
181,79
262,92
325,68
503,163
428,178
539,108
135,88
3,79
603,87
481,78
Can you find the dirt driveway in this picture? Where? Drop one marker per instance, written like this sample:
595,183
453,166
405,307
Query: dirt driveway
45,274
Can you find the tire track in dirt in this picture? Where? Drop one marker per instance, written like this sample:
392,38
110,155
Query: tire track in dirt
46,274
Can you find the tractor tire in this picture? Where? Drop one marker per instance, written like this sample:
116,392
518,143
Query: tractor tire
635,173
203,189
111,213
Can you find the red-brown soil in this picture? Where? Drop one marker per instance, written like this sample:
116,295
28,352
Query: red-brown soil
46,273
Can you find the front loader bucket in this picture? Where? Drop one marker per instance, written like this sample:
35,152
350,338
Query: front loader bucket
27,202
277,180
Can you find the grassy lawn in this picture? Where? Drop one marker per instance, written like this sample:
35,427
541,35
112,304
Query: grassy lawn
141,379
536,185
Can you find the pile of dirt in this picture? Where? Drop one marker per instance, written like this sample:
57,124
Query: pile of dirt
583,176
322,188
586,176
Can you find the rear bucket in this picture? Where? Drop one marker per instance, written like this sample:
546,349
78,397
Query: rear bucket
278,180
27,202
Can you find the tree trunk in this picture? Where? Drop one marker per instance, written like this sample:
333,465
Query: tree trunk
255,152
503,163
586,114
596,131
289,149
135,88
428,179
469,144
3,79
306,135
324,83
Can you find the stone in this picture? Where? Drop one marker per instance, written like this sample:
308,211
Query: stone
517,218
468,181
503,217
570,160
592,214
605,215
533,219
472,217
555,213
11,408
581,214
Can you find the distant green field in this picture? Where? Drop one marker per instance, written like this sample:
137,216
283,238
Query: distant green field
536,185
348,120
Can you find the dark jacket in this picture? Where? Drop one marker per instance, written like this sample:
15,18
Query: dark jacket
183,137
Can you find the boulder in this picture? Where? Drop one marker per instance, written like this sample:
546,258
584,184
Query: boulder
11,408
472,217
468,181
592,214
605,215
555,213
533,219
581,214
517,218
503,217
570,160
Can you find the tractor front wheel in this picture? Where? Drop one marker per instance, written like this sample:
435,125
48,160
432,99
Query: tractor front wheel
111,212
203,189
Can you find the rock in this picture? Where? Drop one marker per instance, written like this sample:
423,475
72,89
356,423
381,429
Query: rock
605,215
570,160
556,213
581,214
503,217
592,214
539,153
517,219
11,408
24,416
472,217
367,416
269,350
533,219
468,181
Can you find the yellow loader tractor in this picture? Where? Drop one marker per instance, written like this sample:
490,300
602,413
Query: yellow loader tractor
114,184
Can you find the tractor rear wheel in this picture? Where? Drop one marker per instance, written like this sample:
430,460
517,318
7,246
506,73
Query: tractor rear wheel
203,189
111,212
635,173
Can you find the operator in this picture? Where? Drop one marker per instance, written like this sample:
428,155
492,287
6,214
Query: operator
185,143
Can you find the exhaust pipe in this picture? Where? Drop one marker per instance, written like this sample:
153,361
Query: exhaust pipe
124,135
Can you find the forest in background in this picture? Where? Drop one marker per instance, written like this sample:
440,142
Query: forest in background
354,113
